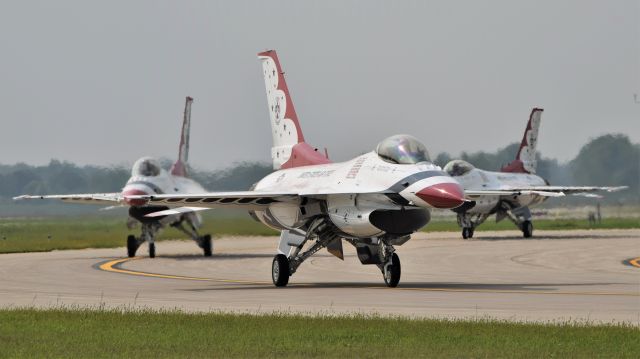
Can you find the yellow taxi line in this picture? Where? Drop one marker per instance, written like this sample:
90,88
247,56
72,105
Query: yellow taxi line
113,266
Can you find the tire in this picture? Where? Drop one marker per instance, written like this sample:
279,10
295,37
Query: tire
152,250
207,245
465,233
280,270
132,246
392,272
470,232
527,229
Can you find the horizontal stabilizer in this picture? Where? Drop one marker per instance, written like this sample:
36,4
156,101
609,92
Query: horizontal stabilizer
178,210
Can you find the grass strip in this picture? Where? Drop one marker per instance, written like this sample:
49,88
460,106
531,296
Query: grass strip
88,333
46,234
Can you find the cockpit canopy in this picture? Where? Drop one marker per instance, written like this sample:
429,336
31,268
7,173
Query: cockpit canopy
458,168
147,167
402,149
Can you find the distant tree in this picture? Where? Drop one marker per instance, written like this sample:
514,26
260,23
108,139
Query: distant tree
608,160
442,159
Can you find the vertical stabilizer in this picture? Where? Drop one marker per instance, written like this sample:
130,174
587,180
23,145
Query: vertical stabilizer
289,148
179,168
525,161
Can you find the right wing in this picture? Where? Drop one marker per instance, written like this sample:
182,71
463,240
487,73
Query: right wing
87,198
546,191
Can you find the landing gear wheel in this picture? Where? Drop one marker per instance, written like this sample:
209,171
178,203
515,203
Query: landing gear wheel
527,229
280,270
207,245
391,271
132,246
467,232
152,250
470,232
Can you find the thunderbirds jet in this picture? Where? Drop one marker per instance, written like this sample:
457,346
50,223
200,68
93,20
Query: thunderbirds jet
373,202
510,192
147,177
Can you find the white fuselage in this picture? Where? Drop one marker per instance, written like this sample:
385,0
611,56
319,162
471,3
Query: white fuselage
351,192
477,179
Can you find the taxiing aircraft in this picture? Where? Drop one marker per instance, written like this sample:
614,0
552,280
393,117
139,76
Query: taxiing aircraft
147,177
510,192
373,202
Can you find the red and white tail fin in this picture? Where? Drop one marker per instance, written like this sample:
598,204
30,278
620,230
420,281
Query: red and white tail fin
179,168
289,148
525,161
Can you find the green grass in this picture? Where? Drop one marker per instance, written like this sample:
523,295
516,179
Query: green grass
46,234
86,333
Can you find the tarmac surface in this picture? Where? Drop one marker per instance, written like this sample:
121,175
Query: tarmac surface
581,275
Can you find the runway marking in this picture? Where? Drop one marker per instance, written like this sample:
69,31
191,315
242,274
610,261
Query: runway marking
114,266
634,262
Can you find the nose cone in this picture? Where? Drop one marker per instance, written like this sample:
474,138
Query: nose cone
443,195
134,201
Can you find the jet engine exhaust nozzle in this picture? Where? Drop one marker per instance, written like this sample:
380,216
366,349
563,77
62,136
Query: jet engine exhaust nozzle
443,195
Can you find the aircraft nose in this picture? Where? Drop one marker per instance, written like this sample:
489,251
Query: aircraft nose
442,195
134,192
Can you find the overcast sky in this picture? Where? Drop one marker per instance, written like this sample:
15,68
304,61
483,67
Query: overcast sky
104,82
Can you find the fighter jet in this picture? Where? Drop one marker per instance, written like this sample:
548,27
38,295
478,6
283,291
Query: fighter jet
510,192
147,177
373,202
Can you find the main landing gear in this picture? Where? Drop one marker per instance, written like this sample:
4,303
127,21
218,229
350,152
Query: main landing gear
370,251
151,228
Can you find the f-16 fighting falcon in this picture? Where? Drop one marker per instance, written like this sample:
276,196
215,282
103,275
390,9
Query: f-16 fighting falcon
373,202
510,192
147,177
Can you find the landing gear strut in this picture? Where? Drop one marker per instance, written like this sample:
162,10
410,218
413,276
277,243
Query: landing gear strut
203,242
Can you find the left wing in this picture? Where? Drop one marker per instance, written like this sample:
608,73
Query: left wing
238,199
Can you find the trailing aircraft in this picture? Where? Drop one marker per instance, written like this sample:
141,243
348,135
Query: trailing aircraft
148,177
373,202
510,192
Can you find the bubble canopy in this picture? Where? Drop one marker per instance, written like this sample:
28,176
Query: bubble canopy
458,168
402,149
147,167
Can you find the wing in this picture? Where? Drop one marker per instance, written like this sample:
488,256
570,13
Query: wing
546,191
250,200
87,198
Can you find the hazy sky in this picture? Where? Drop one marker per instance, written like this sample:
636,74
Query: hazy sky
104,82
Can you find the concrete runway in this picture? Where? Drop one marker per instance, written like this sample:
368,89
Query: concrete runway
557,276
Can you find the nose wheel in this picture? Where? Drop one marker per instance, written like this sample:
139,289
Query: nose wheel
467,232
391,271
